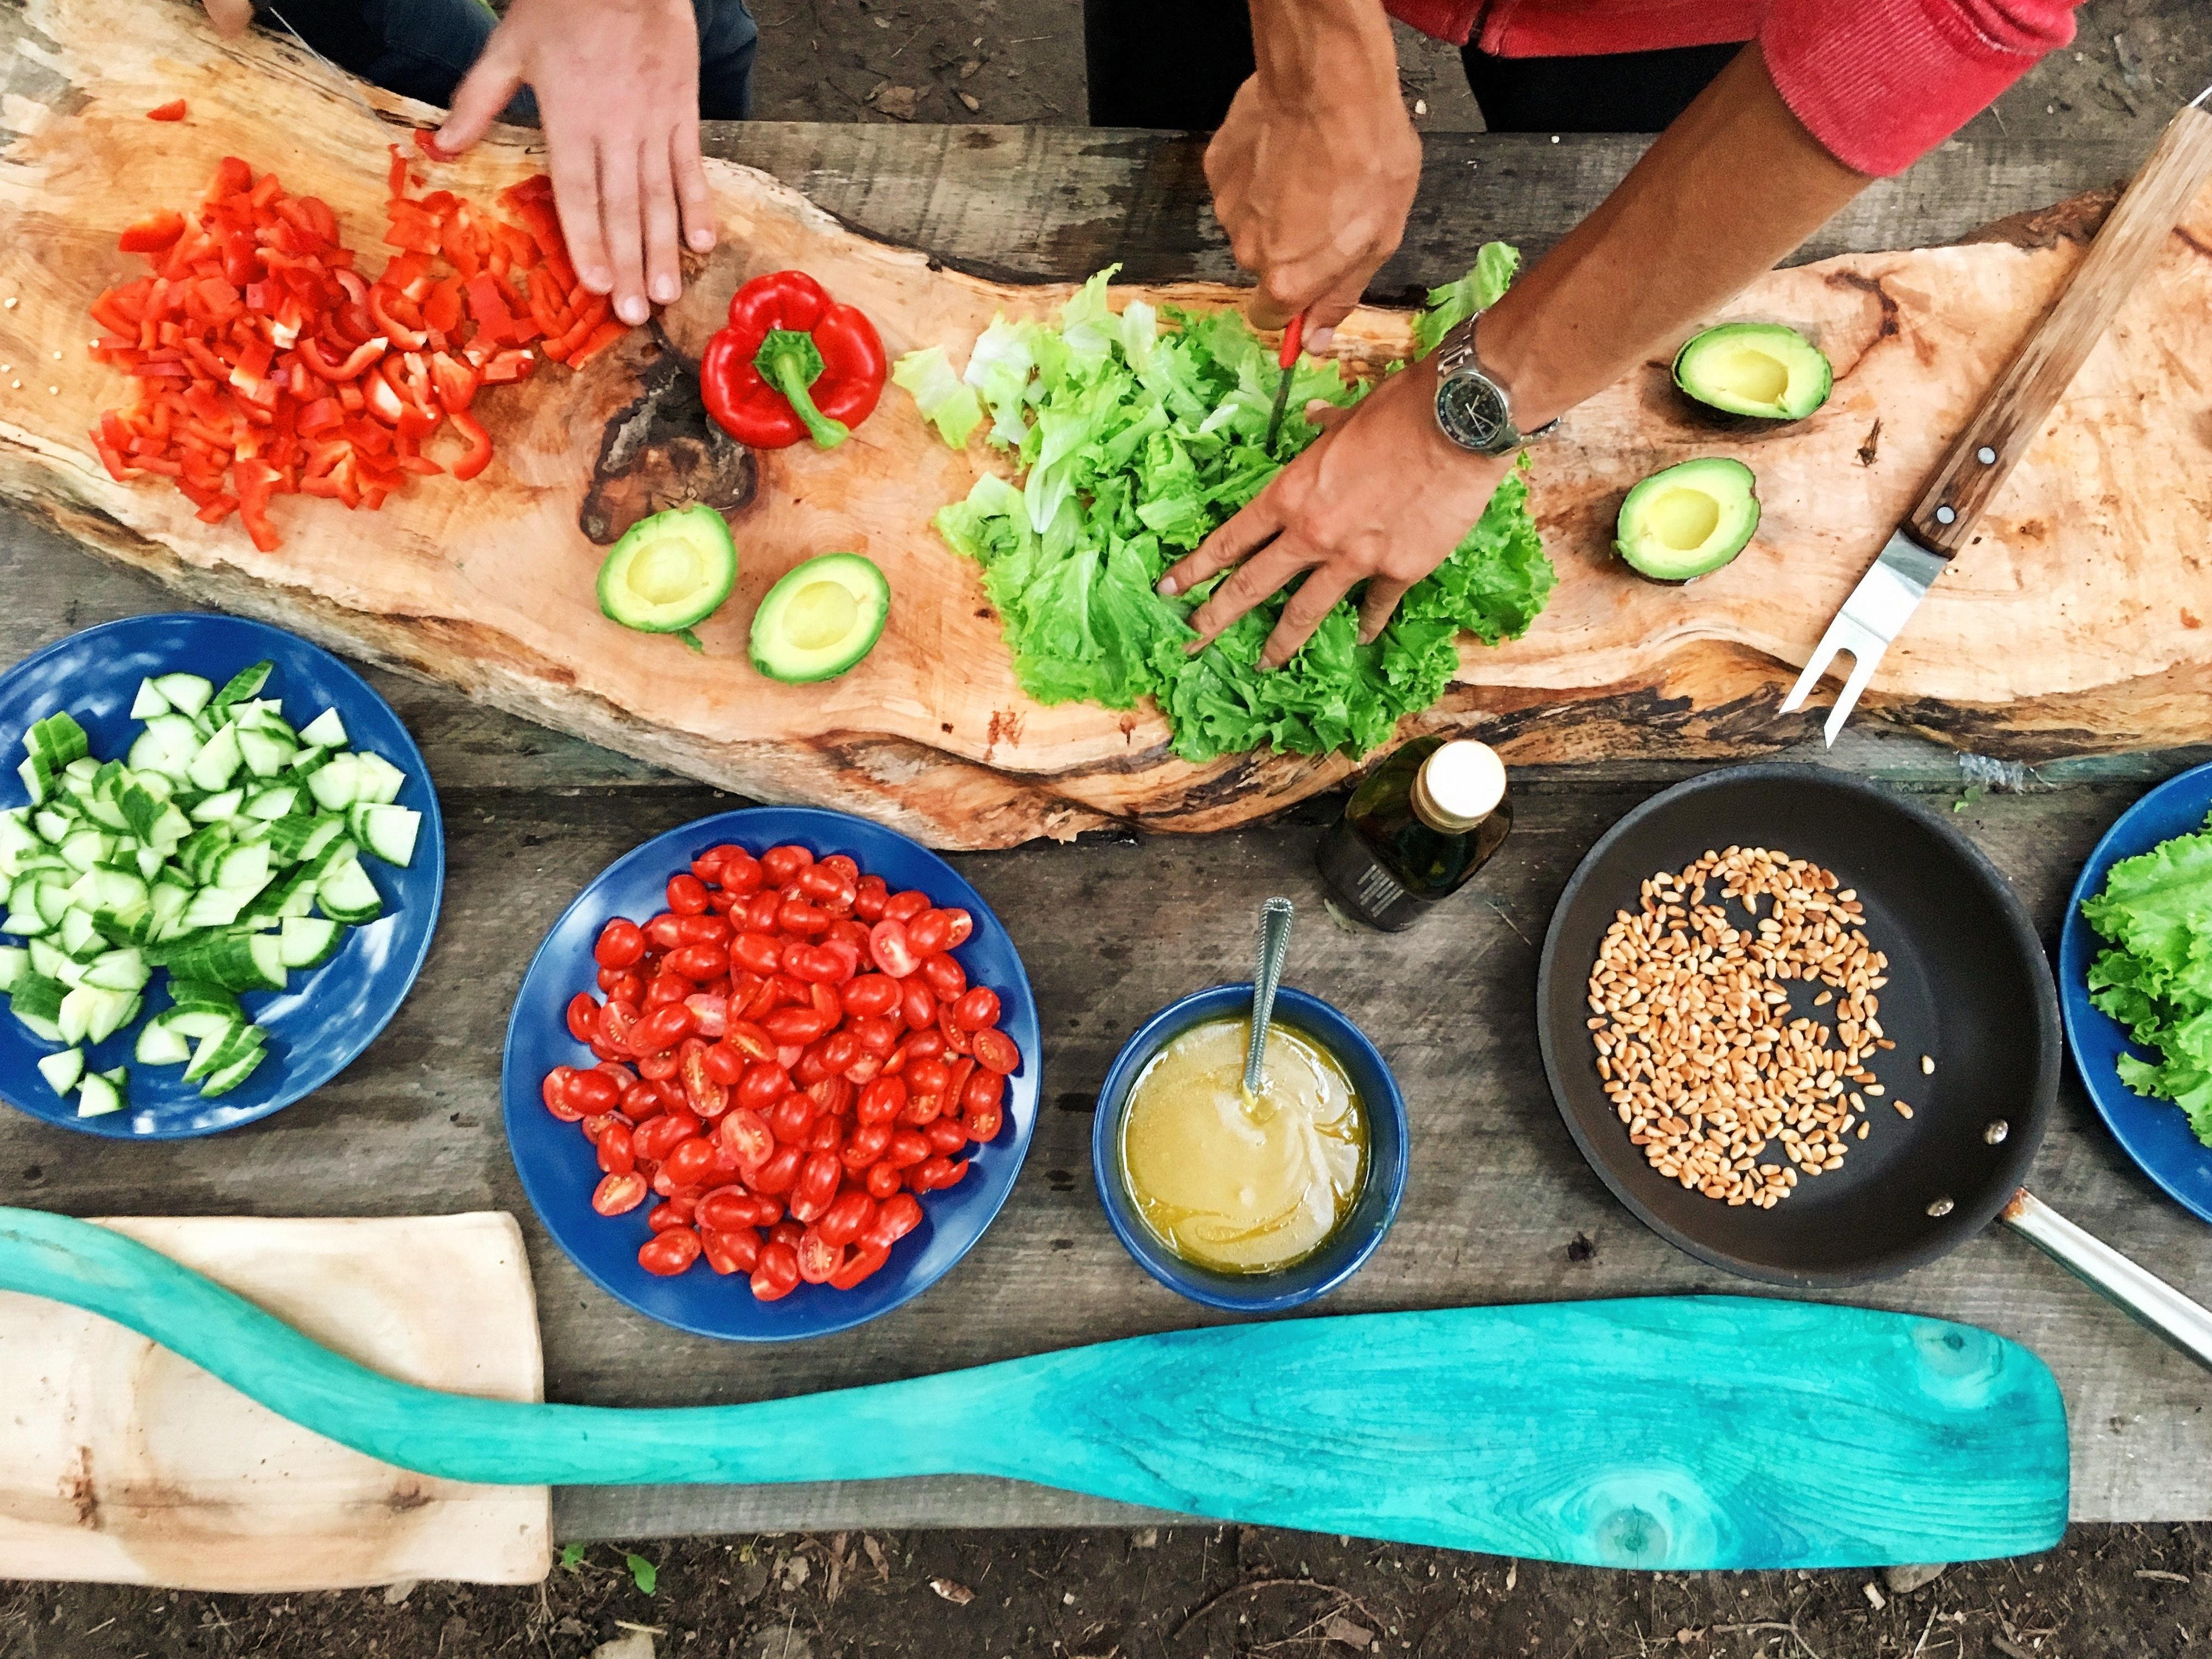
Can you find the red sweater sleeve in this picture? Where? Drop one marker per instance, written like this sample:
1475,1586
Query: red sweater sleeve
1881,83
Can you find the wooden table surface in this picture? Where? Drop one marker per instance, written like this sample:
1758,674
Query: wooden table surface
1499,1207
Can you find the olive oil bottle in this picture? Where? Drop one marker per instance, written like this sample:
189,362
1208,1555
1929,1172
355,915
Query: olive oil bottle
1416,828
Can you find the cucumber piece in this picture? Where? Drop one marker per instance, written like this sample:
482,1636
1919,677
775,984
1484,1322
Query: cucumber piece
165,910
63,1069
289,835
310,760
142,805
169,830
38,778
209,1047
98,1095
125,969
18,841
148,702
103,803
116,1010
166,746
110,895
347,895
82,849
330,827
81,1006
325,731
187,994
201,849
198,1024
37,995
223,958
243,870
49,959
187,693
379,781
161,1043
308,941
51,825
387,832
15,962
216,763
224,1078
220,807
290,895
53,898
246,683
59,739
80,935
264,753
268,954
214,907
339,853
148,862
270,804
335,785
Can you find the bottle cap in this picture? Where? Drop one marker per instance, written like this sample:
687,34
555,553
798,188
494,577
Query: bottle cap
1459,786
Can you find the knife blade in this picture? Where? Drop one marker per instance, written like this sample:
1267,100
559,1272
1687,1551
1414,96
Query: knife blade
346,82
1287,360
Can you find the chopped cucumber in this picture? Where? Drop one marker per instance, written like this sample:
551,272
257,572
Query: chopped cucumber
160,1043
216,763
79,935
325,731
15,962
308,941
244,684
224,1078
148,702
187,693
196,1024
63,1069
347,895
58,739
100,1093
220,807
270,804
336,784
378,778
118,970
266,754
387,832
166,746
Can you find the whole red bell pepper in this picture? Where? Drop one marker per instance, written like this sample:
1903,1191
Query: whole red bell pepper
791,363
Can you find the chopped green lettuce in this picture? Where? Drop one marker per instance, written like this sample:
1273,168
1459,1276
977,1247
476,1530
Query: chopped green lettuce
1133,442
1454,302
946,402
2156,979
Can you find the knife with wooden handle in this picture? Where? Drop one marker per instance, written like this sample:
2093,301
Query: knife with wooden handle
1984,453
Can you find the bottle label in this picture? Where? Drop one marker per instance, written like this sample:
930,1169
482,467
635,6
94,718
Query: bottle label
1378,889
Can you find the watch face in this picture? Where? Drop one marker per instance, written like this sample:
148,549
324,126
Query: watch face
1472,411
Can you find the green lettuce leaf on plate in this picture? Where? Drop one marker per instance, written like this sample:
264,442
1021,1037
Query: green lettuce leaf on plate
2155,909
1133,436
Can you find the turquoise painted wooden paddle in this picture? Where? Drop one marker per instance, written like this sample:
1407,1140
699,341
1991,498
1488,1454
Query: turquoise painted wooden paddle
1708,1432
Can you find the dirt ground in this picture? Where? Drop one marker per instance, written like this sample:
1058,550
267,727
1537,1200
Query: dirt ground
1197,1592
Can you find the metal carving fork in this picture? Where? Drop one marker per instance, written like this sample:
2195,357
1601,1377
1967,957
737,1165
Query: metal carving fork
1983,455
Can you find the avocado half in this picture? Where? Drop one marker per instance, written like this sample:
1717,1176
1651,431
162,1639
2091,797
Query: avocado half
1760,369
821,619
669,571
1689,519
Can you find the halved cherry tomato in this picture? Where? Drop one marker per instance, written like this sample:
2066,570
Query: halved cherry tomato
783,864
892,949
947,979
618,1195
669,1254
777,1273
617,1156
817,1257
930,932
620,945
583,1015
746,1136
984,1091
996,1052
698,962
904,906
554,1092
983,1121
963,925
898,1217
869,896
666,1026
978,1009
731,1253
858,1266
701,1092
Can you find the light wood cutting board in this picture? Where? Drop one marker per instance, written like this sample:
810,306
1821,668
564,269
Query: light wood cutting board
121,1463
2076,622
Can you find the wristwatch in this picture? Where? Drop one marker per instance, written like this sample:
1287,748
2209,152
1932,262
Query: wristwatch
1473,408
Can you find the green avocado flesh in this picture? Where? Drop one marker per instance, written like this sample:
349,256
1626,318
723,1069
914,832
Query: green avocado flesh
669,571
1689,519
1754,369
823,616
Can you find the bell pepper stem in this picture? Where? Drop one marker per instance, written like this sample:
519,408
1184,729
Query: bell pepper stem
789,360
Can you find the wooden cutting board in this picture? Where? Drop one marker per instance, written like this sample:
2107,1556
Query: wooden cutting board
122,1463
2074,624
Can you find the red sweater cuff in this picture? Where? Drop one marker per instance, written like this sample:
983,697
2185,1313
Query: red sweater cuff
1881,83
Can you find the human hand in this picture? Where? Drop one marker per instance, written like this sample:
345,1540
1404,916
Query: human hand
1314,171
617,85
230,17
1382,496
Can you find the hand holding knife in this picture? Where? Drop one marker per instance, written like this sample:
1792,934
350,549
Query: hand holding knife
1286,359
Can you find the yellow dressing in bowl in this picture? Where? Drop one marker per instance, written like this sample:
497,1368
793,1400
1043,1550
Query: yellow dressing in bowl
1238,1185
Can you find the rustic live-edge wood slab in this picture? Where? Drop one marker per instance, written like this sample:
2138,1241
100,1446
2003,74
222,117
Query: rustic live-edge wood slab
2085,572
1499,1207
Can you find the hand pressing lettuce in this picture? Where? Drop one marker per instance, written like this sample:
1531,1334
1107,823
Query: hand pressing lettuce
1132,443
2156,909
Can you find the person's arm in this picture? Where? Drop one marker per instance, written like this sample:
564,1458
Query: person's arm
1315,167
617,85
1736,184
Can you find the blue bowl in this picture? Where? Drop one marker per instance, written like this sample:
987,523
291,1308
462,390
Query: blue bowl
559,1168
1382,1188
2154,1133
324,1019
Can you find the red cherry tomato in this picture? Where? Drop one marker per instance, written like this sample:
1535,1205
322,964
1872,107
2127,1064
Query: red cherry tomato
763,1084
621,985
906,1149
983,1122
893,953
583,1016
977,1010
658,1068
639,1102
742,874
677,1212
620,944
756,954
869,896
904,906
777,1273
996,1052
817,1257
593,1091
760,911
616,1019
654,1138
816,1186
783,864
881,1100
664,932
930,932
777,1174
664,989
867,1145
703,930
702,1093
884,1179
947,979
898,1216
746,1134
618,1195
688,1161
870,995
858,1266
799,1025
669,1254
687,895
748,1040
699,963
962,924
918,1006
731,1253
922,1111
724,1063
956,1041
983,1092
666,1026
615,1156
790,1116
928,1076
842,1222
945,1134
934,1174
554,1092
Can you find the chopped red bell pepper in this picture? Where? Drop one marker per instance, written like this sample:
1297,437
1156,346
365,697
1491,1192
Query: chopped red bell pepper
172,111
791,363
152,234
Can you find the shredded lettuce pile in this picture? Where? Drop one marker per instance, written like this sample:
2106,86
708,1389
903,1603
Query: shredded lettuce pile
1135,441
2156,909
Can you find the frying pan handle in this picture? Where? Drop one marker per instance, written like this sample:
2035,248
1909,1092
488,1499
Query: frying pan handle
2186,1324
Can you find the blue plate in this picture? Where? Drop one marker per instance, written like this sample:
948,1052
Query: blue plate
559,1168
2154,1132
323,1020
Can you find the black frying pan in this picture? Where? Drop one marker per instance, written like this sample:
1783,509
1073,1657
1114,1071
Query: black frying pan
1968,985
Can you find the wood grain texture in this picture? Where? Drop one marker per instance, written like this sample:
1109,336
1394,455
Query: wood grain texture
1972,471
1635,1433
490,587
121,1462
